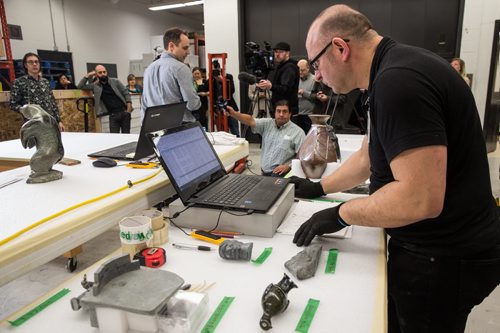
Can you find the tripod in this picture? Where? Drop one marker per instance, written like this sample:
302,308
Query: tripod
260,99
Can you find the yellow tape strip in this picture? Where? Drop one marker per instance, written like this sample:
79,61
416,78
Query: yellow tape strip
64,211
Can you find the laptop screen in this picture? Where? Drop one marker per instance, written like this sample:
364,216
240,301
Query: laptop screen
157,118
189,159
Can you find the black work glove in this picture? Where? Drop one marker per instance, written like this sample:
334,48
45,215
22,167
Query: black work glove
322,222
304,188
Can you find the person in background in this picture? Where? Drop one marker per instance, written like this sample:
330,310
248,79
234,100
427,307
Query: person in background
201,87
281,139
132,85
426,159
64,83
307,96
168,80
110,98
459,66
32,88
233,125
284,81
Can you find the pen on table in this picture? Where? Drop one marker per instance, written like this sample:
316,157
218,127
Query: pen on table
234,233
192,247
221,234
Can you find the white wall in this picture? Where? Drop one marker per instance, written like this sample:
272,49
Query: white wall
221,35
477,40
98,31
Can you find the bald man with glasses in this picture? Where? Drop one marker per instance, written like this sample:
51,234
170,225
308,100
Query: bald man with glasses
426,159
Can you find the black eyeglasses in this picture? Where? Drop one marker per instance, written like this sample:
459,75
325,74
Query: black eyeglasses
314,62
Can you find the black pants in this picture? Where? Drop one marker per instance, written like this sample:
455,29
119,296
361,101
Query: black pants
119,120
436,294
303,121
201,116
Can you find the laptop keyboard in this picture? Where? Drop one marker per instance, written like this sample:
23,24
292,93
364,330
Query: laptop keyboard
122,150
234,190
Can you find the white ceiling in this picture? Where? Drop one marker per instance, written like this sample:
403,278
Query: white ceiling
192,12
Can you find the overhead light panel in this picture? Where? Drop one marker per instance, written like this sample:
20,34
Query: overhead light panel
176,5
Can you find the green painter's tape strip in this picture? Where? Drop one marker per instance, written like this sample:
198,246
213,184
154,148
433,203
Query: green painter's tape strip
216,317
307,316
331,262
263,256
28,315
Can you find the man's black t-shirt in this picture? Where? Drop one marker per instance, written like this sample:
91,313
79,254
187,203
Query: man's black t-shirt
417,99
113,103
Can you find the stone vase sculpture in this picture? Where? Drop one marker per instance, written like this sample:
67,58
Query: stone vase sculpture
318,148
41,130
275,300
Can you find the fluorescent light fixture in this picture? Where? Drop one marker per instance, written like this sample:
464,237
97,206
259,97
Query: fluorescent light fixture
176,5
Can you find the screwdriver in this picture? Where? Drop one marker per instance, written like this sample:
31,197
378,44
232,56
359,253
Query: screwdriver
192,247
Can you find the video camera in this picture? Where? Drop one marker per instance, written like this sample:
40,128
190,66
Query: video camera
259,62
221,103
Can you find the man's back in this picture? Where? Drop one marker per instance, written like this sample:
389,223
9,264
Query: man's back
168,81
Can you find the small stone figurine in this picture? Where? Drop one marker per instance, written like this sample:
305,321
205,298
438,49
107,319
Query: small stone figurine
274,300
235,250
41,130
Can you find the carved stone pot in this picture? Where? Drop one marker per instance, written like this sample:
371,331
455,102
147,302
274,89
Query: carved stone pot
318,148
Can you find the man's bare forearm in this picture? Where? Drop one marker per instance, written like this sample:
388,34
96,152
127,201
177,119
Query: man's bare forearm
351,173
241,117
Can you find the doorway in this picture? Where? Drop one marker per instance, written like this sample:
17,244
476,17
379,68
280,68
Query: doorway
492,112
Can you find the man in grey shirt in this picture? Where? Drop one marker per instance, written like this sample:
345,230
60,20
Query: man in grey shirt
168,80
281,139
306,94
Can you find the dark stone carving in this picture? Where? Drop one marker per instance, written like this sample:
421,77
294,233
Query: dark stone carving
274,300
235,250
304,264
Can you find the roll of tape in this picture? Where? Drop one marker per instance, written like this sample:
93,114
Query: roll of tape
132,249
156,218
135,229
160,236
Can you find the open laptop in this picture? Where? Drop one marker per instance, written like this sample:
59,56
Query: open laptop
155,118
199,177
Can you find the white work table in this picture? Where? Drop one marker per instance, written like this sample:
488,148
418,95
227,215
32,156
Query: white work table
352,300
25,204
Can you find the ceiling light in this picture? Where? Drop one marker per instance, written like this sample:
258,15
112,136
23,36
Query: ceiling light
176,5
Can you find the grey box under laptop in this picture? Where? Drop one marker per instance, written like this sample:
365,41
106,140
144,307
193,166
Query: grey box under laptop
262,225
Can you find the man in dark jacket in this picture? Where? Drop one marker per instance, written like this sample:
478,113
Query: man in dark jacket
111,98
284,84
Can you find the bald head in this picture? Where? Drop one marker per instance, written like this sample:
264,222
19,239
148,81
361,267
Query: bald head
341,43
101,71
341,21
303,65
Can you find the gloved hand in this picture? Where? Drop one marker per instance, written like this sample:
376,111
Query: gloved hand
304,188
322,222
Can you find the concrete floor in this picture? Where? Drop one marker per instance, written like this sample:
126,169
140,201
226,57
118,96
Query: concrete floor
19,293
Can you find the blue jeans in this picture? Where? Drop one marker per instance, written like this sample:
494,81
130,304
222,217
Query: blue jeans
434,293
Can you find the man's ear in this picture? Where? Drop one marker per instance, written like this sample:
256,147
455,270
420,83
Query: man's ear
342,46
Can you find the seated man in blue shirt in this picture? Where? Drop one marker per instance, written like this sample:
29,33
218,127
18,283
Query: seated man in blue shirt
281,139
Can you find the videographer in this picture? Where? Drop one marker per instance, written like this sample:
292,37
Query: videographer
284,84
